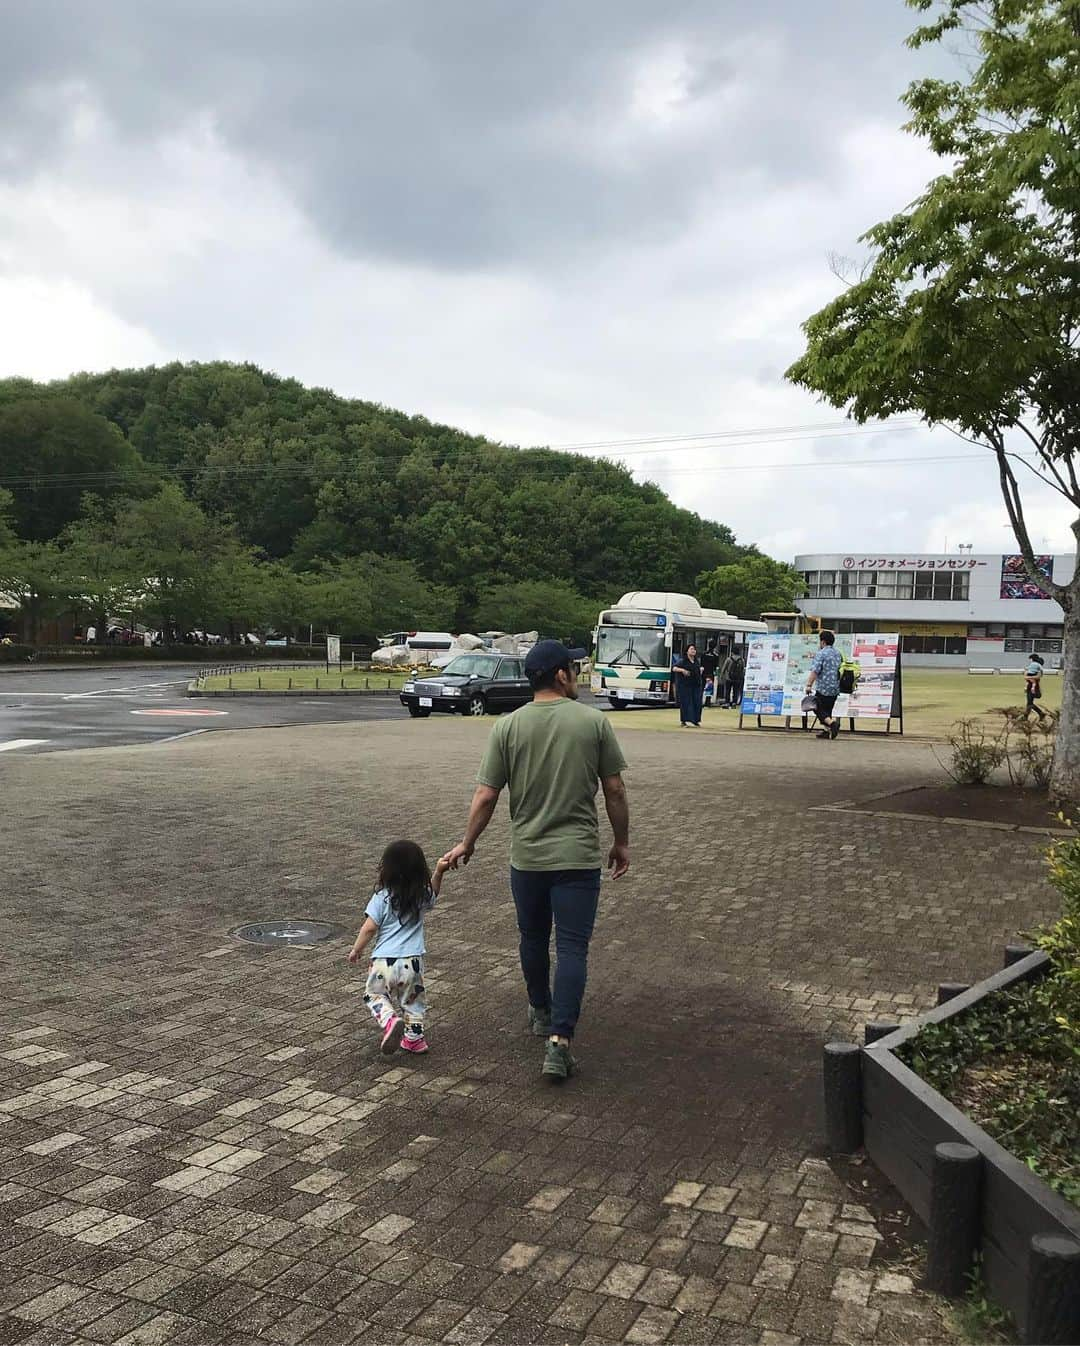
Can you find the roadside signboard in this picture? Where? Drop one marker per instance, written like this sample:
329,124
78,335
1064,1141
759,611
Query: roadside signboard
333,651
777,667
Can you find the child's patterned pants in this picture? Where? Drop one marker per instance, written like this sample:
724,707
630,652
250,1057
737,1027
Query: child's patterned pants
395,986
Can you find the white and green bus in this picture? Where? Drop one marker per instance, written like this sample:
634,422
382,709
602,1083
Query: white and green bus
637,640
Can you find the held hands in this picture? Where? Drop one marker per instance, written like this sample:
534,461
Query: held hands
459,854
619,861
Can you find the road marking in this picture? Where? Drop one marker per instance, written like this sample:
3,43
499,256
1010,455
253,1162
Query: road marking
179,712
112,691
21,743
190,733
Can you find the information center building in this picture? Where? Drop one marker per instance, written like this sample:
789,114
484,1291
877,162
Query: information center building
952,610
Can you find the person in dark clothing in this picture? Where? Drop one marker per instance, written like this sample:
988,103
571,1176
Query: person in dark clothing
689,682
736,678
710,663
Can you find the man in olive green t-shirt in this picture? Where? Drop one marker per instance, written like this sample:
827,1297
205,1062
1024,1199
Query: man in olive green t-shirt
551,754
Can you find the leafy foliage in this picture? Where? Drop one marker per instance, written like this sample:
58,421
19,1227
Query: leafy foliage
1013,1060
975,755
286,496
752,585
968,309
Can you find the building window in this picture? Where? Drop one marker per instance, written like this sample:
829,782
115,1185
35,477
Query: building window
934,644
1047,646
1018,646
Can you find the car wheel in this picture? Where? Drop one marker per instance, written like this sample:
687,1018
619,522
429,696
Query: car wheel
418,714
477,705
616,704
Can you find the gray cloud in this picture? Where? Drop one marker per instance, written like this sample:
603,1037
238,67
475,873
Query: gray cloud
466,136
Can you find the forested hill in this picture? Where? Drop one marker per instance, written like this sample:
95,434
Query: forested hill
303,477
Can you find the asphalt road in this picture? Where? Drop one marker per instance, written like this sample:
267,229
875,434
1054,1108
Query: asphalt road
52,710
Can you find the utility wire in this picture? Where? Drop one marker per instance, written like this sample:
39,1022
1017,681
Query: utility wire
70,480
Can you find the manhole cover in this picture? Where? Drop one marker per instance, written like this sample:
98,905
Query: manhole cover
298,932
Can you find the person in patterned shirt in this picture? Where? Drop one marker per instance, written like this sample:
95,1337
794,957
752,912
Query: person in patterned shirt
824,683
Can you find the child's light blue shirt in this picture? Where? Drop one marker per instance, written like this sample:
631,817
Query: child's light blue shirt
395,940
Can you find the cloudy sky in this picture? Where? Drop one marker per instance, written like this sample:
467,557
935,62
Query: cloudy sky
565,223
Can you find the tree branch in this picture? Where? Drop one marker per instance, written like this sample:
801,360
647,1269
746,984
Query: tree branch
1010,493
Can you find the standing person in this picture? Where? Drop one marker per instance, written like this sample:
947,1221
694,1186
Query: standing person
551,753
736,678
824,682
1033,686
405,891
710,664
688,687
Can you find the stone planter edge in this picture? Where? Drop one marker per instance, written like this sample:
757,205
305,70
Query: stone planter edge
904,1118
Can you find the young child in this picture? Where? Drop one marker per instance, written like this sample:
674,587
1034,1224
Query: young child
405,891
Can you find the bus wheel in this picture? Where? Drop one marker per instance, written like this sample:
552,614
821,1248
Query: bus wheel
616,704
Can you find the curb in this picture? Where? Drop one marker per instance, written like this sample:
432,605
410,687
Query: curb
322,693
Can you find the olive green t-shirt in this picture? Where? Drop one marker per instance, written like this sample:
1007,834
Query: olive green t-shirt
552,755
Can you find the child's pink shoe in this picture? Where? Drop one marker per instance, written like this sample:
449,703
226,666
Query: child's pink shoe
418,1045
391,1038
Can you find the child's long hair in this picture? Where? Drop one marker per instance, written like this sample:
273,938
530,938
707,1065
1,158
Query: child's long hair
404,873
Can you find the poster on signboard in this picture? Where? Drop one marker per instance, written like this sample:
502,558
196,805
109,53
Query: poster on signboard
1015,582
333,651
766,674
778,667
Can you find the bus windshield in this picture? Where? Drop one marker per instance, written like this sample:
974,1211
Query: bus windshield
637,646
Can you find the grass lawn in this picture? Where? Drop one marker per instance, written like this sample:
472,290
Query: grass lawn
934,699
310,679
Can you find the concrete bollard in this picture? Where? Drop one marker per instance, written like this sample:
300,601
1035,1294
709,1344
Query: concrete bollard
948,990
1015,952
955,1191
876,1031
842,1074
1053,1298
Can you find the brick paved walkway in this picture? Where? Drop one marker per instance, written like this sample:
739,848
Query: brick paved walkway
199,1142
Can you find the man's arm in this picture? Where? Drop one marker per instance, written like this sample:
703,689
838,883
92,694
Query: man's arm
618,812
483,806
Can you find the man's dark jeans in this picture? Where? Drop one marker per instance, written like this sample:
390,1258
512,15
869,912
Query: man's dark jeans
569,896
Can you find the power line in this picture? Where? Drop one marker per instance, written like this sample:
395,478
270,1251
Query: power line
900,423
71,480
832,465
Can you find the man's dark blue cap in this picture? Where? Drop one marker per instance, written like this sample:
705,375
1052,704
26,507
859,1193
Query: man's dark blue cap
547,655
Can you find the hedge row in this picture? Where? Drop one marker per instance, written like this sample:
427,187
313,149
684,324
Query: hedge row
194,654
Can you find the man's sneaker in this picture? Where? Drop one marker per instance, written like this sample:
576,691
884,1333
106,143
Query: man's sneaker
417,1045
558,1063
539,1022
835,729
391,1038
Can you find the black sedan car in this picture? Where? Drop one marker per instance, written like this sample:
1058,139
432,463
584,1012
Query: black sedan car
471,684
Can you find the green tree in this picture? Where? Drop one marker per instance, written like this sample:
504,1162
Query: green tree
968,309
751,586
53,449
30,577
103,575
551,607
180,553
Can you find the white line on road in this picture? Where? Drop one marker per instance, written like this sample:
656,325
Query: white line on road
21,743
189,734
112,691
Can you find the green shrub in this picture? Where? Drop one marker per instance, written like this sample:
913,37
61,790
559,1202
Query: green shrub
975,754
